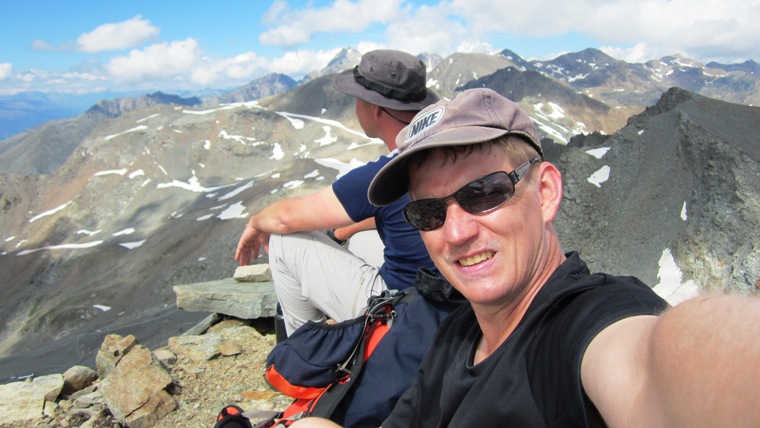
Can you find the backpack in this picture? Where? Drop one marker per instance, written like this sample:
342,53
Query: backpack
353,372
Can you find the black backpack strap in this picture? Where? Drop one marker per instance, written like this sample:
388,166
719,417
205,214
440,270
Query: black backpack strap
326,403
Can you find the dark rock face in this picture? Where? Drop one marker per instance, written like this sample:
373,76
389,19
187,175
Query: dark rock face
682,177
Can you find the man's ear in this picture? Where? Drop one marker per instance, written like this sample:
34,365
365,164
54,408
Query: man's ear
550,189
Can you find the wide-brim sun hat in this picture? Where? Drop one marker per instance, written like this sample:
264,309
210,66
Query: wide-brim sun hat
390,79
473,116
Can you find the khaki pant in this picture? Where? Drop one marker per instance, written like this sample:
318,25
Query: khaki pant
315,279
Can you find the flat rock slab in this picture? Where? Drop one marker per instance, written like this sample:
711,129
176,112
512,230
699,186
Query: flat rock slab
25,401
245,300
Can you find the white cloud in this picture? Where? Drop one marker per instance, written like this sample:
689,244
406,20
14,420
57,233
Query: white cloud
708,30
295,63
41,45
241,67
631,30
6,70
299,25
275,12
159,60
69,82
120,35
640,52
248,66
475,46
429,29
286,35
365,47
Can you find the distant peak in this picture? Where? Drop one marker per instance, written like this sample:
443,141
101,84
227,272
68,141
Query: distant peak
668,101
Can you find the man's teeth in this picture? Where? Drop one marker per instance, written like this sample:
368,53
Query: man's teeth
469,261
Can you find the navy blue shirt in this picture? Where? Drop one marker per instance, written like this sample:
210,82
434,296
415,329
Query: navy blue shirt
404,251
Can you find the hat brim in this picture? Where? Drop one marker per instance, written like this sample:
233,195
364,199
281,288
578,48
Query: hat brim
391,182
345,82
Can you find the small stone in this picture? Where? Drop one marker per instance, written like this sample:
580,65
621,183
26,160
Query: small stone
228,348
195,372
49,409
89,390
196,348
89,400
78,378
253,273
113,348
259,395
64,404
165,356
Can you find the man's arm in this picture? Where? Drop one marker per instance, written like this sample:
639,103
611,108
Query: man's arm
345,233
318,211
695,365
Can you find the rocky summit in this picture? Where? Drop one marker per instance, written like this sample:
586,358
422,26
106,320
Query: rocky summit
185,382
670,198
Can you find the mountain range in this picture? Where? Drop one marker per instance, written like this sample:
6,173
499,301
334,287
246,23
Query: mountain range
102,213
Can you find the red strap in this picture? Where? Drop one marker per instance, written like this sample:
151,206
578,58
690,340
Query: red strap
299,406
281,384
376,332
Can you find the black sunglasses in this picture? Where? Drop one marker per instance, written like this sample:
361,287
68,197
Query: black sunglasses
476,197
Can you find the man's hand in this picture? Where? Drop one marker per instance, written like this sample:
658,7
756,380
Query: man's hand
250,245
290,215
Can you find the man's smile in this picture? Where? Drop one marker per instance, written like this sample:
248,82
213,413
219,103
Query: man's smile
472,260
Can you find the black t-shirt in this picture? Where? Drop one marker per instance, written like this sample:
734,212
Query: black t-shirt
533,378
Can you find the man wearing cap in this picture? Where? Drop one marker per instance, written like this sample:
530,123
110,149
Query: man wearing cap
314,277
544,342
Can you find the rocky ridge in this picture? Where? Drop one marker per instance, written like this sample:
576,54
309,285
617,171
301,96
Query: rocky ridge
679,180
186,382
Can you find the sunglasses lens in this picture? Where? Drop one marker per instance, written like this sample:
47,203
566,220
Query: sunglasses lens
425,214
479,196
485,193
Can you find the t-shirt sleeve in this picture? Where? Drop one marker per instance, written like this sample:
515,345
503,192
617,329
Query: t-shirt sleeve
594,310
554,361
351,189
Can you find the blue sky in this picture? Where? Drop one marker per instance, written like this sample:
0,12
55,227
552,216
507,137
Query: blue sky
82,46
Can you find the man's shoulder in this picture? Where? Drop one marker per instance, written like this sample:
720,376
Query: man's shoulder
382,159
373,166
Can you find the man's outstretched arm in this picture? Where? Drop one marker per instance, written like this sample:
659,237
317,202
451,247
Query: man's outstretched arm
320,210
695,365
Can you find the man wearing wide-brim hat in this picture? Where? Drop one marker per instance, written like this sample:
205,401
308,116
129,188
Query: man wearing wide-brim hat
315,277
